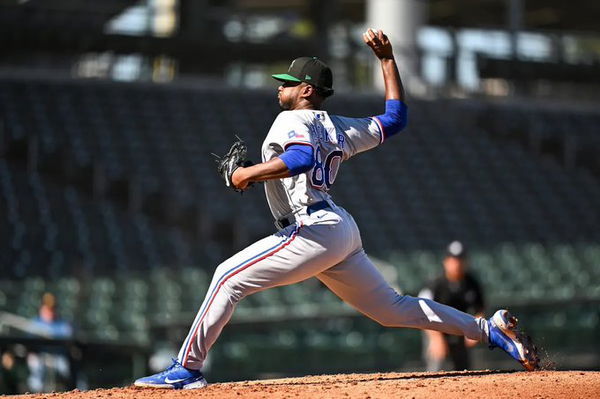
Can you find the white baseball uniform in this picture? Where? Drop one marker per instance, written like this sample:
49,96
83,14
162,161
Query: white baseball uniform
316,238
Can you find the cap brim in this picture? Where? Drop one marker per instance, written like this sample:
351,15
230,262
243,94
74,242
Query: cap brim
284,77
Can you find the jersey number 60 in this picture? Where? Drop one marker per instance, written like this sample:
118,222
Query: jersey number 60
324,173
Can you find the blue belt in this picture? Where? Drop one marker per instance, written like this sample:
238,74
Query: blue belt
312,208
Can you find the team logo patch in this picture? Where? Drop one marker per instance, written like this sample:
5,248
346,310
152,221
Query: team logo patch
292,133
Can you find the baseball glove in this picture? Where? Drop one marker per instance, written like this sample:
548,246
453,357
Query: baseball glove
235,157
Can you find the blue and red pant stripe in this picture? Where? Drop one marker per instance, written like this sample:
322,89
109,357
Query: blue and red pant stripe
223,279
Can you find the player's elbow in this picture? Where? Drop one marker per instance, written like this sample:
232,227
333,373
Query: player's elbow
402,119
395,118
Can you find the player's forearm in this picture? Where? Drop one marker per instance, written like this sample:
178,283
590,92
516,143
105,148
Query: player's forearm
395,118
273,169
382,48
391,77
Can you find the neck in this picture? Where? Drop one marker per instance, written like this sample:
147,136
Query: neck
304,107
305,104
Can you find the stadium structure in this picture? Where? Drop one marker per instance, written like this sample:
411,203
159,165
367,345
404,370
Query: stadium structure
109,198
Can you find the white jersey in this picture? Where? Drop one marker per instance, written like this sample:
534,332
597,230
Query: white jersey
333,138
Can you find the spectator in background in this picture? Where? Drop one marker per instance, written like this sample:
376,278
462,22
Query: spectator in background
459,289
9,381
49,368
13,370
49,320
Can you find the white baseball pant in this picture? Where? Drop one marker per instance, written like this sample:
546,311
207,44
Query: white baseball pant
326,245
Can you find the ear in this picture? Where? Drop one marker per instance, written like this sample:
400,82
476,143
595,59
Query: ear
307,91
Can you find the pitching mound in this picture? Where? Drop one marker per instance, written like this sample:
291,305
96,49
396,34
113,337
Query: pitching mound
447,385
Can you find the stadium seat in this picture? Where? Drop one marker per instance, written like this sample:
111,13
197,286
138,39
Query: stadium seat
531,223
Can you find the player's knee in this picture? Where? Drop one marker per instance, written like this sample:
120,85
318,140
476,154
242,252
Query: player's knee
226,284
237,289
393,315
221,270
235,286
233,295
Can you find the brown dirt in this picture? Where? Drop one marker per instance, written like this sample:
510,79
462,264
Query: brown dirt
448,385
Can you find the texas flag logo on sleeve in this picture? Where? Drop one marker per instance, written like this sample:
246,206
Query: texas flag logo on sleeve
292,133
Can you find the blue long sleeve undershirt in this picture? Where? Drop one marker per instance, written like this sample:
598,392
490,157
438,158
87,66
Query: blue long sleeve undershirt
395,118
298,158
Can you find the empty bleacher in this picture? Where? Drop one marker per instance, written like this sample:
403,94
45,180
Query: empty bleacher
54,232
533,224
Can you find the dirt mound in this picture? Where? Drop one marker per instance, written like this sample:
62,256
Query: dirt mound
448,385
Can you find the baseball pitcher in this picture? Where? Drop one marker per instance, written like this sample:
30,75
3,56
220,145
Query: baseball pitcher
301,157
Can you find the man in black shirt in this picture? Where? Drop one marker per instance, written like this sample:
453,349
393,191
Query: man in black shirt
459,289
